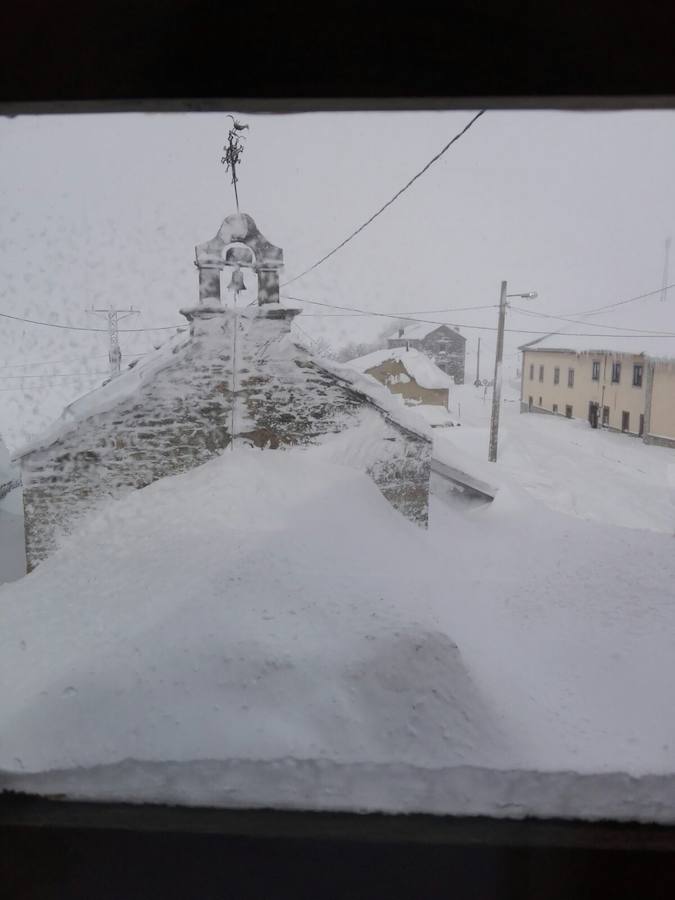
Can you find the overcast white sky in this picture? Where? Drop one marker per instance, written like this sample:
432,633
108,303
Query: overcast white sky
107,209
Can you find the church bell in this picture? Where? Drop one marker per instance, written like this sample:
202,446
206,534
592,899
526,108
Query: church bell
237,280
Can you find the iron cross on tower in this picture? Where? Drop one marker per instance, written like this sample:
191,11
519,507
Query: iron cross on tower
233,151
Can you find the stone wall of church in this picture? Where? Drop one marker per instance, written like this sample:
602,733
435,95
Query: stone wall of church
238,374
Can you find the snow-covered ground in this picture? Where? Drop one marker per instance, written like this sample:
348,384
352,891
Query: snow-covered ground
267,630
593,474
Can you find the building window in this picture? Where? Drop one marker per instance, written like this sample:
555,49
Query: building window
616,372
605,415
541,373
641,429
637,376
556,375
529,402
532,372
570,378
555,408
596,370
625,421
568,412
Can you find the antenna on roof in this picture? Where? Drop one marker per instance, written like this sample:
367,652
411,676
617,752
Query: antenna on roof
665,270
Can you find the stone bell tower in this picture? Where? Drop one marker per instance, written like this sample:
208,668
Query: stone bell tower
238,244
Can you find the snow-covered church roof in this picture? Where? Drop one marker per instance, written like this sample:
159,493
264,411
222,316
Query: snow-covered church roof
418,365
120,388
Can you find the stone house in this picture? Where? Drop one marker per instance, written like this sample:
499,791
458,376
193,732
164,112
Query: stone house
441,343
236,377
408,373
615,383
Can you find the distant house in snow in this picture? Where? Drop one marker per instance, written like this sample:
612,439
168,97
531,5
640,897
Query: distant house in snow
441,343
409,373
621,383
236,378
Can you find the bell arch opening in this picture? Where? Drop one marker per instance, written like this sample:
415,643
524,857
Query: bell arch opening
238,269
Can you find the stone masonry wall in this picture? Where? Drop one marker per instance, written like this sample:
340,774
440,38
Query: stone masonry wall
240,376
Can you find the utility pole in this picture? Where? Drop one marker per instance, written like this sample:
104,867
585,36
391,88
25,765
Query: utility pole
497,386
114,317
477,382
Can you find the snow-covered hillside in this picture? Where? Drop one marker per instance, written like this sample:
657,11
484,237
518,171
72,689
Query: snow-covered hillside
267,630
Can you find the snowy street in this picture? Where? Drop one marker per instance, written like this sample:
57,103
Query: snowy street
592,474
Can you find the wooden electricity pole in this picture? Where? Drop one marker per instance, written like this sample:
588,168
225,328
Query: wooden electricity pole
497,386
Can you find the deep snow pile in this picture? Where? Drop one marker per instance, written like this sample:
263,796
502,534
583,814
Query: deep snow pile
249,609
267,630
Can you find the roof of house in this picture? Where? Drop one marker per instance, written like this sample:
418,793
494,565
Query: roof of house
425,372
421,330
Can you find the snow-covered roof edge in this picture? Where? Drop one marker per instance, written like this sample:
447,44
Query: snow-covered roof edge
419,330
627,344
105,396
390,404
417,364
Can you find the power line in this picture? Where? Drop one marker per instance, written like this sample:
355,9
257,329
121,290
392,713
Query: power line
388,203
55,375
473,327
400,315
538,315
58,362
54,362
81,328
597,309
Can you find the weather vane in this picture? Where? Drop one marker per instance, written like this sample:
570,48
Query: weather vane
233,151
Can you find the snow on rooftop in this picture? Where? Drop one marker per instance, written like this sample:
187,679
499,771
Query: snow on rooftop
266,630
107,395
210,616
424,370
117,389
419,331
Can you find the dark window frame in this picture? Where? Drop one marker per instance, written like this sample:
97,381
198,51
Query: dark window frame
556,375
616,373
638,373
570,378
531,371
541,373
595,373
569,411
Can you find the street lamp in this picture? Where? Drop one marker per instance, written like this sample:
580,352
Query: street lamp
497,386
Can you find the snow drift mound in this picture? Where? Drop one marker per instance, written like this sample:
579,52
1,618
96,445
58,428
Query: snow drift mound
265,606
